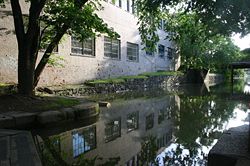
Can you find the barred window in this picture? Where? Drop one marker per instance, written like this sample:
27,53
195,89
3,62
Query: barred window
150,121
133,121
113,130
132,52
170,53
86,47
161,50
84,140
112,48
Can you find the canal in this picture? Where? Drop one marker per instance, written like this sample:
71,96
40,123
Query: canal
174,126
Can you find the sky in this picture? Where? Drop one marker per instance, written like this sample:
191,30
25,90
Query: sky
241,42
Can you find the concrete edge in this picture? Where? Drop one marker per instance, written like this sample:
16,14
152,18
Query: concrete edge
29,119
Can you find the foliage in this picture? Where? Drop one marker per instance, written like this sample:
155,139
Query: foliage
246,54
148,151
199,47
222,16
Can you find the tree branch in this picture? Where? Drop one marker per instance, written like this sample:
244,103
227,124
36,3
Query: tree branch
18,21
60,32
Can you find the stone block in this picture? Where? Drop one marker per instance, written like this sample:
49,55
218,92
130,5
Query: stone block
231,147
6,121
84,111
70,114
25,119
50,117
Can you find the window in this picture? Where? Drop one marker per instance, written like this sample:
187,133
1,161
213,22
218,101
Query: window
150,121
170,53
120,3
85,48
84,140
161,50
133,121
132,52
128,5
113,130
112,48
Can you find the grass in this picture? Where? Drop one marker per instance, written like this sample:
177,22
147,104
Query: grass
3,84
59,102
134,77
162,73
106,81
125,78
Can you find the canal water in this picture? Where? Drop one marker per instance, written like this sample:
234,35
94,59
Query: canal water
175,126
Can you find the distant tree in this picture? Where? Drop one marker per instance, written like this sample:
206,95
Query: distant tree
246,55
47,22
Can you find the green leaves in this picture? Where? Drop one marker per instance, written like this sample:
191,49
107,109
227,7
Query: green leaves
83,22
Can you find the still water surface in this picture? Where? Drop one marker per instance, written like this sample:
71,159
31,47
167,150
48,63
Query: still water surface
171,127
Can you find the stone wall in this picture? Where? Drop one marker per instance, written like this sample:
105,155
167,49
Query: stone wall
127,85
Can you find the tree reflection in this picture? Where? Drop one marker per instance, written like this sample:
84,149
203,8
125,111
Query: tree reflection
199,122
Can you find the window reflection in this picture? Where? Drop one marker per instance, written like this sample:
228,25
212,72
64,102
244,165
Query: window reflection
164,114
113,130
84,140
132,121
150,121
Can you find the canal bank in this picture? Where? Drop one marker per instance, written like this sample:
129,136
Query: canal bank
155,117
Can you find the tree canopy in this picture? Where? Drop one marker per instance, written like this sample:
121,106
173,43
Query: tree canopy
226,16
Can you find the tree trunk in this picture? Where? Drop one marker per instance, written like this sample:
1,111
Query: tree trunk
27,44
25,73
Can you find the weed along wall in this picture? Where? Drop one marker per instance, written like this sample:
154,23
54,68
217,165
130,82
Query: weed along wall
116,85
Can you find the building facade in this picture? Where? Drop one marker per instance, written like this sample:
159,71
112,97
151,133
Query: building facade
95,58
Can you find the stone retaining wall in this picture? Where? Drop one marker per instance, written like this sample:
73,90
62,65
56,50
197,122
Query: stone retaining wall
128,85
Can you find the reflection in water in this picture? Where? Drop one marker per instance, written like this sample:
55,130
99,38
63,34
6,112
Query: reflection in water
83,140
133,121
157,130
113,130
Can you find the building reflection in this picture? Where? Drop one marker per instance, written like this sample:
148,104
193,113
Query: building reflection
121,129
113,130
84,140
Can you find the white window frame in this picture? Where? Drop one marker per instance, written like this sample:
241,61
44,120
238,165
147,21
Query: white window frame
134,52
112,43
83,48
